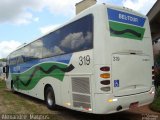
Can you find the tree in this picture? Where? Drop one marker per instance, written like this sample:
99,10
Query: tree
3,60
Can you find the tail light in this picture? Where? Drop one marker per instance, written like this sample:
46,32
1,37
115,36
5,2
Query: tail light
105,82
105,75
106,89
105,68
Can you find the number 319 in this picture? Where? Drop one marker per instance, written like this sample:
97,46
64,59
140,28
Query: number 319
84,60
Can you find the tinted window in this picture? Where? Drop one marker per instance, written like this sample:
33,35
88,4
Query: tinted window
20,56
74,37
26,50
36,49
17,57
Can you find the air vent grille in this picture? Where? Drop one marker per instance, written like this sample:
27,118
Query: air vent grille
81,98
81,92
80,85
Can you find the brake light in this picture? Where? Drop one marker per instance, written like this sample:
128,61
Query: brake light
105,68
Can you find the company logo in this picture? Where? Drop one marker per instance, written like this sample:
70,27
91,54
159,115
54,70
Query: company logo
125,25
128,18
124,17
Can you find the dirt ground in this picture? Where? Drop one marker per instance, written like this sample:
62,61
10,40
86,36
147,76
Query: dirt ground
142,113
66,114
21,104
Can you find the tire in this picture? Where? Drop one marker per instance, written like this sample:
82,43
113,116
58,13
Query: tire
50,98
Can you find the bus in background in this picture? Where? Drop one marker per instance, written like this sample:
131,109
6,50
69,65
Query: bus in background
100,62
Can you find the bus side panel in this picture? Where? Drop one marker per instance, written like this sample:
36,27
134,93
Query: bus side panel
77,84
33,76
8,80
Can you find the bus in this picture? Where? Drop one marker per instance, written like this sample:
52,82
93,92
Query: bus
99,62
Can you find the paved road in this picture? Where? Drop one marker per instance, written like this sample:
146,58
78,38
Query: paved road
142,113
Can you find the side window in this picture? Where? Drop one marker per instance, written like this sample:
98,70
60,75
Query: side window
74,37
13,58
51,44
78,35
12,61
26,51
20,56
36,50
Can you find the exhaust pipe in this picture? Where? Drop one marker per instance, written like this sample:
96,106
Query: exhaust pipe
119,108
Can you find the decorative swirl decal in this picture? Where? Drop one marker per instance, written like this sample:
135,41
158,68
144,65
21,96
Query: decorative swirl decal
125,31
39,68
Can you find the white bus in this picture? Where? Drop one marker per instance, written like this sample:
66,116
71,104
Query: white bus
100,62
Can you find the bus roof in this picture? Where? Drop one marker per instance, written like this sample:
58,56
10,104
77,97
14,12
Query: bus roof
81,14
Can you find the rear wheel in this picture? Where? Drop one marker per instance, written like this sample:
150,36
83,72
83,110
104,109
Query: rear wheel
50,98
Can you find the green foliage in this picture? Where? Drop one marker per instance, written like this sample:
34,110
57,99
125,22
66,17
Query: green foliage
157,75
158,93
3,60
157,58
155,106
157,69
2,84
21,104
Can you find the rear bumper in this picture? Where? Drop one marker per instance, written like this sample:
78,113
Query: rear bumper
104,105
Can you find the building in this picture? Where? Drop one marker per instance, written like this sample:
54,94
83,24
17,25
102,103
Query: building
84,5
154,18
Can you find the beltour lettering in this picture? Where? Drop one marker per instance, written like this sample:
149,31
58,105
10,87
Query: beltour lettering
128,18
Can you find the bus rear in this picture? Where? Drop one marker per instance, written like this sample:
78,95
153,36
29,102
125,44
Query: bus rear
125,66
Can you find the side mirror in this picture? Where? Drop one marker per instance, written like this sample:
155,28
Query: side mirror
5,69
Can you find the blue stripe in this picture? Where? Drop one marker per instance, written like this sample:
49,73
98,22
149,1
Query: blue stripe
25,66
123,17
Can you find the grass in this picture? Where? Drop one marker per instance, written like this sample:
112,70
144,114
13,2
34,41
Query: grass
2,84
155,106
21,104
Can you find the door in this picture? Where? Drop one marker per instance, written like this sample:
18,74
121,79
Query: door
131,74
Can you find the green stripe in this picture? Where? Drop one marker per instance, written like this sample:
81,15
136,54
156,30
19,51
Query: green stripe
120,27
58,74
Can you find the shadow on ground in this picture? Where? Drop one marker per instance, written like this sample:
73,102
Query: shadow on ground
67,114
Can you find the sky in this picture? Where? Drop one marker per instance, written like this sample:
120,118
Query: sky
22,21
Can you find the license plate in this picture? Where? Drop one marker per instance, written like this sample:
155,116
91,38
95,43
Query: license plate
133,105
